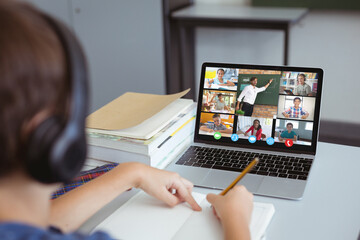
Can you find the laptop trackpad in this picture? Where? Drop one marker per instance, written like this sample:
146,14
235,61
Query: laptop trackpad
221,179
193,174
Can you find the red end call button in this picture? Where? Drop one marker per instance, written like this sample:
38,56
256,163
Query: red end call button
289,142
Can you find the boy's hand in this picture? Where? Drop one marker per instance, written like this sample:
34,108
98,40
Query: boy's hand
236,205
160,184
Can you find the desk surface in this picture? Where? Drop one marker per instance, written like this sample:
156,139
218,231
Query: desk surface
238,13
329,210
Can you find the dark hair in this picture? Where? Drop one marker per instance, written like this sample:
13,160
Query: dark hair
220,69
216,116
252,79
257,120
303,75
220,94
297,98
289,124
32,73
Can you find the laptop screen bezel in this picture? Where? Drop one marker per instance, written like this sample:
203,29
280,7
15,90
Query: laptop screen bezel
261,145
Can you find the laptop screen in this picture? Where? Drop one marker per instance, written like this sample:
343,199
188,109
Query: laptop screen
266,107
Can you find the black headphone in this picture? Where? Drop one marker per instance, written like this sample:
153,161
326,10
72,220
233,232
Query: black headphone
57,147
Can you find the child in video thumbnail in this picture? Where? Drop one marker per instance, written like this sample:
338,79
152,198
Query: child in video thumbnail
255,130
289,134
216,126
296,111
261,128
219,103
219,80
303,88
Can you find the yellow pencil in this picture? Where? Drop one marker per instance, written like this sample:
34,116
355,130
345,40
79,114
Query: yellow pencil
242,174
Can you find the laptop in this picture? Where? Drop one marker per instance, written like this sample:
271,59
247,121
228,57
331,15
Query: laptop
281,130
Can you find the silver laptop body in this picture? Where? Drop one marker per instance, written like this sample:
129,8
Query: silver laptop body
279,187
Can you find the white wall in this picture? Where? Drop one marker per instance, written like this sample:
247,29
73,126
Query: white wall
325,39
124,45
123,42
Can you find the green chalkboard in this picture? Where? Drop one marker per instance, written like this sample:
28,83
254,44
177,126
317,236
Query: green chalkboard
270,96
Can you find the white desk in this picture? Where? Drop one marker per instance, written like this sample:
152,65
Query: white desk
329,210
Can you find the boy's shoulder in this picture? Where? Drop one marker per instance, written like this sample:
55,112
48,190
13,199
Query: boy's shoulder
20,231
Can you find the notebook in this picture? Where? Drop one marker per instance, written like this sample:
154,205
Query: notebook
144,217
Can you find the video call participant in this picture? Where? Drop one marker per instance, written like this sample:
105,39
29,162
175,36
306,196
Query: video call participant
219,80
219,103
216,126
255,130
249,94
35,86
289,134
296,111
302,88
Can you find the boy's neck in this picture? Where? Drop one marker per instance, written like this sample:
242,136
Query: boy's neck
24,200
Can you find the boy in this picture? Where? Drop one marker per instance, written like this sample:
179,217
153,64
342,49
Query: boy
302,88
34,85
217,126
219,103
296,111
289,134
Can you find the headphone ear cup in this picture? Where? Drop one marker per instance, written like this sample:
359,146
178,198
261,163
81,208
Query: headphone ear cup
40,146
69,154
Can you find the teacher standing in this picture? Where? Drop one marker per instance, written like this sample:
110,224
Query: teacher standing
249,94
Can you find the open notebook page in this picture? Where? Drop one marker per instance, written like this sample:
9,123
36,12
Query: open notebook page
144,217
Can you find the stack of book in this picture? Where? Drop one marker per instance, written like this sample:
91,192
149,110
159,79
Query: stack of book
156,141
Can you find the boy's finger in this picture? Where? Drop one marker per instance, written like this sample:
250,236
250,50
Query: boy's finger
169,198
186,195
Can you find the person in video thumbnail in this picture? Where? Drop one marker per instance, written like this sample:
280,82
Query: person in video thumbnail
249,94
217,126
296,111
289,134
303,88
219,80
255,130
219,103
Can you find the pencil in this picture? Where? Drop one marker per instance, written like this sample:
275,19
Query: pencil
242,174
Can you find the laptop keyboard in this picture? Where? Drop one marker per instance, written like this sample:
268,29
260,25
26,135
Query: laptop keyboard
269,165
